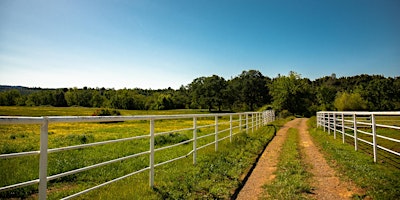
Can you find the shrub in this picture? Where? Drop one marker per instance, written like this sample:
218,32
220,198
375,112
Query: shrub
171,138
285,114
106,112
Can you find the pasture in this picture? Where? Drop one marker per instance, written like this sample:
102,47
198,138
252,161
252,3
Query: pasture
216,174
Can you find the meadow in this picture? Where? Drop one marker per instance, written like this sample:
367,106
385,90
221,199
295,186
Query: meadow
382,155
216,174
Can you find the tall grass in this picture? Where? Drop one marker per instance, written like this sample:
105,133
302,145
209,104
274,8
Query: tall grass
381,181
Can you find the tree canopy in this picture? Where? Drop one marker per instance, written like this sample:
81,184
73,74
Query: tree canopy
249,90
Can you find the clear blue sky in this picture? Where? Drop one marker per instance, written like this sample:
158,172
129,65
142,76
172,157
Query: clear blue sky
168,43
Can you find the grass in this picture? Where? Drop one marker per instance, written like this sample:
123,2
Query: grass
216,175
383,156
292,180
380,180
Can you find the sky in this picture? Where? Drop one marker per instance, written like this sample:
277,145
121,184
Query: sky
156,44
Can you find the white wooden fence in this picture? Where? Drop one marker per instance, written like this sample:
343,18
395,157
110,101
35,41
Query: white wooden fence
370,124
244,121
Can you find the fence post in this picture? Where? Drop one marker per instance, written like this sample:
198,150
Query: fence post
151,164
323,119
257,121
252,122
265,115
374,136
43,159
216,133
247,123
194,140
329,123
320,120
334,125
240,122
230,128
355,131
343,130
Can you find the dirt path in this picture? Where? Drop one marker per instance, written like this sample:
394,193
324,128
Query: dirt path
327,185
325,181
266,166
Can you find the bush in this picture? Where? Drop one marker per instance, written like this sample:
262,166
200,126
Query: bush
106,112
171,138
350,102
285,114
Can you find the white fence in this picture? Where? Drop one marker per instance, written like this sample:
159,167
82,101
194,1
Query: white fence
243,121
363,127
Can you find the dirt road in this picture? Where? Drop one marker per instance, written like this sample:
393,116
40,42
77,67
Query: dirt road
326,183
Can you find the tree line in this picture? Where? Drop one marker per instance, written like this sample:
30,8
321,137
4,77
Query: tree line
291,94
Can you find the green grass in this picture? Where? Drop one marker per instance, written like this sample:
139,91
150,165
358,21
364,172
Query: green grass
380,180
292,180
216,175
383,156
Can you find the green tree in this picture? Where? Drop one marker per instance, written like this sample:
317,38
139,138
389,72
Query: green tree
251,88
207,92
396,93
10,97
350,102
291,93
180,98
59,98
326,96
378,93
98,100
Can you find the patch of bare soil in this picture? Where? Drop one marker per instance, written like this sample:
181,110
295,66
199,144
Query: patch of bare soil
266,166
326,183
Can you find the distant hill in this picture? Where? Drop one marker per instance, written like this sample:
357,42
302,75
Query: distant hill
23,90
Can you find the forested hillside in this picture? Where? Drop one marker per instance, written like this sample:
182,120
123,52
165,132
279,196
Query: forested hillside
291,94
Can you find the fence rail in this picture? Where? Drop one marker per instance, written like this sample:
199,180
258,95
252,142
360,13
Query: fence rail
373,128
248,121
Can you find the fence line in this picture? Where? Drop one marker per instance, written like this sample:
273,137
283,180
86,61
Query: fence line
359,124
258,119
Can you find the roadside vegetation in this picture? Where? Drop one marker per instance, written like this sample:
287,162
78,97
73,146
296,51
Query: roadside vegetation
292,181
216,174
379,180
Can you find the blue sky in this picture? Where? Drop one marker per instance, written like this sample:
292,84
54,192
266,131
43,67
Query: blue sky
168,43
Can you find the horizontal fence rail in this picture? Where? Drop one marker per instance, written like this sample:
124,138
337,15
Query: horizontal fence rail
376,129
236,123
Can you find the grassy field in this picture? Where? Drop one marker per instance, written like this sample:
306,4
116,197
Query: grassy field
380,180
383,156
216,175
